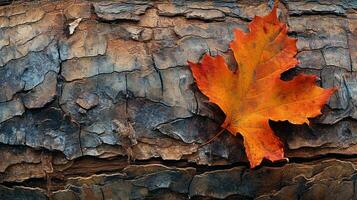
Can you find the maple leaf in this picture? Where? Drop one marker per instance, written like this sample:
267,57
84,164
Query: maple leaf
254,93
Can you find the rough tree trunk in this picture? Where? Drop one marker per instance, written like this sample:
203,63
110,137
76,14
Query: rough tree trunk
111,111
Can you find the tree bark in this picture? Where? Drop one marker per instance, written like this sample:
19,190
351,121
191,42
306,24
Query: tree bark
97,102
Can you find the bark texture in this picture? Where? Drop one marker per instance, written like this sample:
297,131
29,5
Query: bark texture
97,102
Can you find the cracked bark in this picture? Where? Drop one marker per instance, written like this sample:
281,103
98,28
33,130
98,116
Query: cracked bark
111,111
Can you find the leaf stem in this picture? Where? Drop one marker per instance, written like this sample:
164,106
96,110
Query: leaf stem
212,138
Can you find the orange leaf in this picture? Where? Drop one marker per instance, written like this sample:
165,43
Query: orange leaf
254,93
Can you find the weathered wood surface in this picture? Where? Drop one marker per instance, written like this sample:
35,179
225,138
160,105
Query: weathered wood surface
111,111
